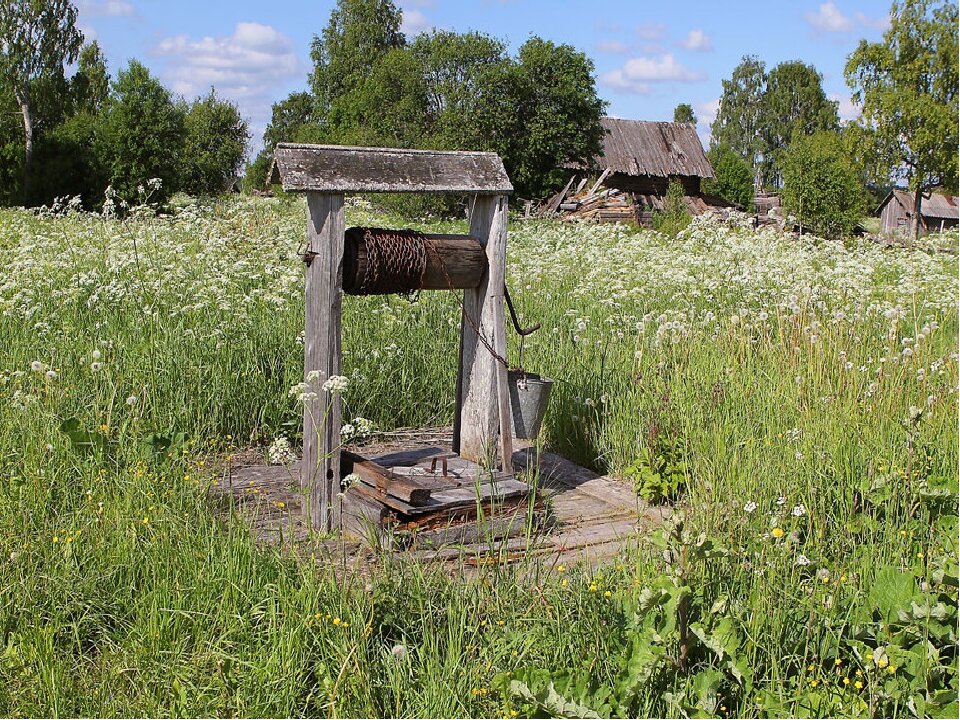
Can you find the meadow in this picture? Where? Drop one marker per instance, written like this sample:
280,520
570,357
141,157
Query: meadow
795,400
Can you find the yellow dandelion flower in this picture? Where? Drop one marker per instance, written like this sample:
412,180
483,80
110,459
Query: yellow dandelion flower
883,662
56,538
846,681
146,520
838,662
281,505
810,668
593,587
869,656
564,583
892,669
337,621
561,568
777,532
607,593
858,685
814,683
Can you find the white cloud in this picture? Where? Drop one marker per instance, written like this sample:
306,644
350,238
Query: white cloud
651,31
847,109
110,8
614,47
706,114
830,19
247,64
413,22
637,73
249,67
697,40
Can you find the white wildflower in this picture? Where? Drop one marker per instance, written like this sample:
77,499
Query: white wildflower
750,507
798,510
336,384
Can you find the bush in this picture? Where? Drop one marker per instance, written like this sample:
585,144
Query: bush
733,179
822,184
674,217
215,143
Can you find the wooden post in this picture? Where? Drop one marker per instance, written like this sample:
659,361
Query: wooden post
483,404
320,470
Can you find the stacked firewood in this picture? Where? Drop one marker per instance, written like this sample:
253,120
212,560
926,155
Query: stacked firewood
593,204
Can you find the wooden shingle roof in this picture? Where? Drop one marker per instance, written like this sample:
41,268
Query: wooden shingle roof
659,149
933,205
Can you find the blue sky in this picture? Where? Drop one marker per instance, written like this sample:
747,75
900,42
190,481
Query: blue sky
649,56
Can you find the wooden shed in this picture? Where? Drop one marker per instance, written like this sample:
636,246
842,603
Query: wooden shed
937,212
643,156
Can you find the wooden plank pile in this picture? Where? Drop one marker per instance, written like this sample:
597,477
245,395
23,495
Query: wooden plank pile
596,205
429,497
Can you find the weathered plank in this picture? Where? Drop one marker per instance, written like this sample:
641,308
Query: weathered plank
475,531
320,471
337,168
383,479
478,409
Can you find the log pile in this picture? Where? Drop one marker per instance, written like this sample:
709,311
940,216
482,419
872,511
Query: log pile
593,204
432,498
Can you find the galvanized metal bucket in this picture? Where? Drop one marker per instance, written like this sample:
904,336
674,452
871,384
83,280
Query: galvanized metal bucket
529,394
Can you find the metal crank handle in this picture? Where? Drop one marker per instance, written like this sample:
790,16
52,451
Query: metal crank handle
513,316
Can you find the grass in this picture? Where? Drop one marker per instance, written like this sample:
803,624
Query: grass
803,392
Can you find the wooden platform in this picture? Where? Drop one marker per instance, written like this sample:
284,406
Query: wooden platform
552,508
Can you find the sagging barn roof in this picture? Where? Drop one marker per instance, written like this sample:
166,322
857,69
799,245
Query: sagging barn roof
658,149
935,206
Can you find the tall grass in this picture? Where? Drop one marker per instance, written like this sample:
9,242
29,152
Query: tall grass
811,387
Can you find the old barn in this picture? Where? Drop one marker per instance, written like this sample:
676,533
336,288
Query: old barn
937,212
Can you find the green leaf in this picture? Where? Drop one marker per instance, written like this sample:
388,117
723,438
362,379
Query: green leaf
892,591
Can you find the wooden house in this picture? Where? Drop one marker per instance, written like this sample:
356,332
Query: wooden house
937,212
643,156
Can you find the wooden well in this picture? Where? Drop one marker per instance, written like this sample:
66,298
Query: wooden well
325,173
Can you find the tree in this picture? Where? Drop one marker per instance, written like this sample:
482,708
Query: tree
215,143
733,177
541,114
683,113
792,102
287,118
358,35
143,134
822,185
737,124
907,87
458,70
36,38
90,84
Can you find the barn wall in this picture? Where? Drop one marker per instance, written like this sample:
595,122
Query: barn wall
893,218
650,185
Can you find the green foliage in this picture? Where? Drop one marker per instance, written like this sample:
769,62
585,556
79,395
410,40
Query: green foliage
90,84
733,177
793,103
143,134
674,218
539,111
738,124
357,37
683,113
660,473
760,112
907,86
37,37
823,184
213,146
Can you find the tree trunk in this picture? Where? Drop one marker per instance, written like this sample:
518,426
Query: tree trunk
24,101
917,198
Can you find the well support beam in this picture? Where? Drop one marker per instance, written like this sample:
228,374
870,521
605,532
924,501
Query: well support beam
320,470
483,405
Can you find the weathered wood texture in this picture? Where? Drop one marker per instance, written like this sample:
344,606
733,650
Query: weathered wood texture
479,410
336,168
454,262
384,479
320,472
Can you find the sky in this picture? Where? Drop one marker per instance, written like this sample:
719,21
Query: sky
649,56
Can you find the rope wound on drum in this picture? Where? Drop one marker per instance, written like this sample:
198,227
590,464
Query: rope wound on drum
396,261
379,261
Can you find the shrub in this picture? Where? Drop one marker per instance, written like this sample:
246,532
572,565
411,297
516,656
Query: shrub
674,217
733,179
822,184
